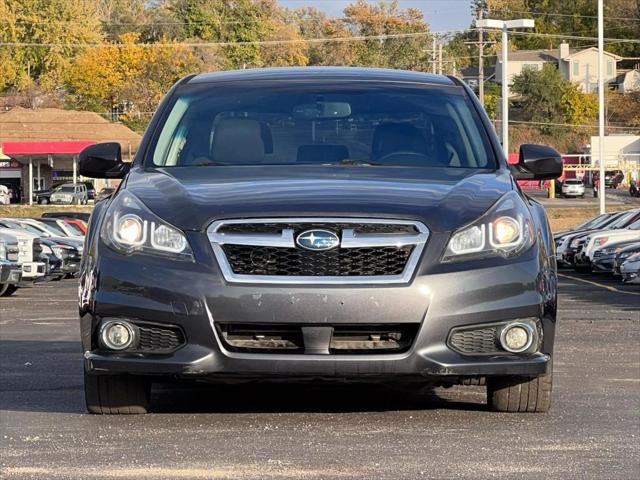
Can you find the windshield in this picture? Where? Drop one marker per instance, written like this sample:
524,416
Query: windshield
371,124
623,220
24,226
55,228
573,182
75,228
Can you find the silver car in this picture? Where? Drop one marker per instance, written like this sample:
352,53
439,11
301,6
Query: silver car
70,194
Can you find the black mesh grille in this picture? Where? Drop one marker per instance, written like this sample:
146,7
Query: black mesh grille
300,227
159,339
475,340
370,261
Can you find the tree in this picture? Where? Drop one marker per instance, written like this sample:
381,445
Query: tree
387,19
544,96
67,23
127,73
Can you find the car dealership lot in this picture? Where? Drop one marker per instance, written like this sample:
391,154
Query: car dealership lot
324,430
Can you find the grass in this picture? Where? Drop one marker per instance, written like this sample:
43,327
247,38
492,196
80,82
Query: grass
37,210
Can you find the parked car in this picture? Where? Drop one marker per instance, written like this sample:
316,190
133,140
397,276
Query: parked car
91,190
567,243
572,187
401,249
10,272
84,216
613,178
64,257
630,269
63,227
105,193
622,254
70,194
43,197
603,238
25,250
77,225
604,257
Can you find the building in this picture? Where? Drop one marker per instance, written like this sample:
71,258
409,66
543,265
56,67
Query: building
579,66
43,146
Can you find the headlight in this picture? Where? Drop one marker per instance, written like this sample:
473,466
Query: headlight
3,251
600,241
131,227
46,250
505,230
61,251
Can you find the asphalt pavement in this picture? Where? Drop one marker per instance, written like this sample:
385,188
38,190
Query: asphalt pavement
324,430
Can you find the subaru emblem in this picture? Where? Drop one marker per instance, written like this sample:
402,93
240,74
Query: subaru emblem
317,240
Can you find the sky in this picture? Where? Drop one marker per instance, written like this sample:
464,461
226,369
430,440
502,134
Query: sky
440,14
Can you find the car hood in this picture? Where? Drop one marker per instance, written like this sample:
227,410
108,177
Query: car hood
443,198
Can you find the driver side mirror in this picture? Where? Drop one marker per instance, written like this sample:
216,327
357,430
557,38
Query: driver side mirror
103,160
537,162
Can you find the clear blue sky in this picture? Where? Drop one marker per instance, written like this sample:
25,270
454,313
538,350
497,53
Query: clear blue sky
440,14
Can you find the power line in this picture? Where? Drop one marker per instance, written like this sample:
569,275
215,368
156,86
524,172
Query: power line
568,15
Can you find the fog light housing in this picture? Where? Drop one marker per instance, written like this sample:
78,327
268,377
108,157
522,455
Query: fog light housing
116,335
517,337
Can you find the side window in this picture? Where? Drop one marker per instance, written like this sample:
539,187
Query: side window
576,68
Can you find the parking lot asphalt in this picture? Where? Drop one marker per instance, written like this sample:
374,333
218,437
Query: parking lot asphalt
324,430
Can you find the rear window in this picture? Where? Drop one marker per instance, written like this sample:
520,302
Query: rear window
373,124
573,182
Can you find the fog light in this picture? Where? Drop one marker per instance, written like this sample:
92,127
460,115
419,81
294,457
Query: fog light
516,337
116,335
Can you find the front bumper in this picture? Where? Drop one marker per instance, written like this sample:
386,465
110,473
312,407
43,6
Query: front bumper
195,298
630,272
10,273
603,264
34,270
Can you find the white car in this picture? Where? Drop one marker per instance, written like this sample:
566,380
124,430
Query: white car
601,239
573,187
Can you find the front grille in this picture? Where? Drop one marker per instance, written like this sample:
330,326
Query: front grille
474,340
159,339
298,227
367,251
342,262
360,339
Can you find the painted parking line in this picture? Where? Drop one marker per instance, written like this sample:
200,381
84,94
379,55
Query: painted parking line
597,284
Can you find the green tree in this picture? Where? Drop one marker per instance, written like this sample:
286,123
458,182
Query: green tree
544,96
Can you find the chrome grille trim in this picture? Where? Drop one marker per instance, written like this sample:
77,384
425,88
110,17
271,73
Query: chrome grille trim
350,239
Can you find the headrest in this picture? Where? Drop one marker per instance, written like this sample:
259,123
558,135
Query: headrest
238,141
397,137
322,153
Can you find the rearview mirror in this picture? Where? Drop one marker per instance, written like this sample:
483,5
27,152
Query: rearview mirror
103,160
322,111
537,162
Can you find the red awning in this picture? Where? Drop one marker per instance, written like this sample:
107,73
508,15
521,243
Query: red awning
45,148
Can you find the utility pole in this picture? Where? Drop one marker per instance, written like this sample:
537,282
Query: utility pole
480,61
440,59
481,43
433,55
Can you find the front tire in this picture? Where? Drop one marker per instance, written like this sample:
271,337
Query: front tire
116,394
520,394
7,290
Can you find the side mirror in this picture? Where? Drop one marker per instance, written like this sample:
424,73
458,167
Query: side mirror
537,162
103,160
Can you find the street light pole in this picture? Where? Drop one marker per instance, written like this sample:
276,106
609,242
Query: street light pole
601,189
505,26
505,90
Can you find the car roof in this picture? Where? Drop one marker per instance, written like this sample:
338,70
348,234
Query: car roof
322,74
